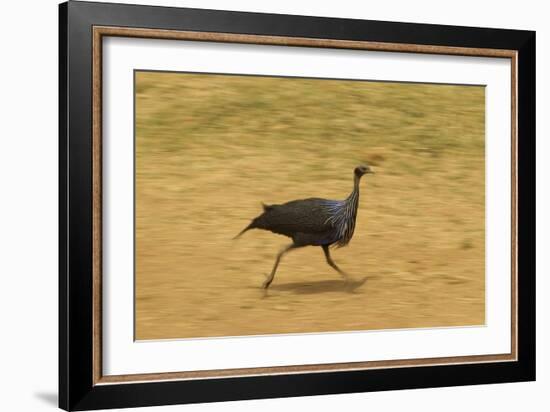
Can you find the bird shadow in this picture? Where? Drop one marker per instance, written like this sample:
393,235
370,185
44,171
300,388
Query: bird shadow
322,286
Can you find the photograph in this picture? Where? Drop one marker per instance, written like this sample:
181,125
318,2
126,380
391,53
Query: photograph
270,205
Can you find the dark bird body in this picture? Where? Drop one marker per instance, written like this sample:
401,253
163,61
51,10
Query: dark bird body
312,222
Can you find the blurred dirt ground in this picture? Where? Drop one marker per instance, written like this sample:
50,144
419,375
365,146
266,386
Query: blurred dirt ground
210,148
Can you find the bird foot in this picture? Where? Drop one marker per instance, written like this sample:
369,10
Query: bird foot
267,282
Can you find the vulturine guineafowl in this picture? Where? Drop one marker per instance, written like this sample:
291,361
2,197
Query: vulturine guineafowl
312,222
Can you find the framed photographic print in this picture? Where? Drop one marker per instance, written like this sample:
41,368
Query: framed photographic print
257,205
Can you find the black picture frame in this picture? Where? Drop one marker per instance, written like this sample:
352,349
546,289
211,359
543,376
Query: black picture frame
77,390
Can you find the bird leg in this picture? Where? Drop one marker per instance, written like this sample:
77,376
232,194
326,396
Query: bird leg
279,256
332,264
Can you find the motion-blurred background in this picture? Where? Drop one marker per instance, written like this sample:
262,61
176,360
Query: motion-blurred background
211,148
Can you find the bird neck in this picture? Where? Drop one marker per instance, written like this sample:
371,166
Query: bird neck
354,195
353,198
347,215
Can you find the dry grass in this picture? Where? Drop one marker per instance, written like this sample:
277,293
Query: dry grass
210,148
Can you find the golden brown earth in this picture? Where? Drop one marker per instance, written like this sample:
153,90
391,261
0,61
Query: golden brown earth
210,148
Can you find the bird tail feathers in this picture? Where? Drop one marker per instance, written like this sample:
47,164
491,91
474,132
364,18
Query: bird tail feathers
266,207
250,226
257,222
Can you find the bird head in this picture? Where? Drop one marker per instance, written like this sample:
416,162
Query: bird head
363,169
